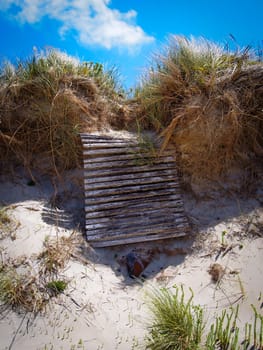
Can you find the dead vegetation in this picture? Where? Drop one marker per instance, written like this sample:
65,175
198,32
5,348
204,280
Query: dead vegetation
56,254
209,104
27,285
21,290
8,224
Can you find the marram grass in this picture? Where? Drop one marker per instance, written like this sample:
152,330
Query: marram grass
177,324
207,102
46,101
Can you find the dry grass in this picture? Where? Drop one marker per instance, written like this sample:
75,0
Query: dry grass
46,101
21,291
209,103
4,217
25,289
56,254
8,224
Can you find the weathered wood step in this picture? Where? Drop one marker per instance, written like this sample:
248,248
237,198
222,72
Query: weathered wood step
131,195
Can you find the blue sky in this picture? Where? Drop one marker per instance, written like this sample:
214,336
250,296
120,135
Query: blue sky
124,33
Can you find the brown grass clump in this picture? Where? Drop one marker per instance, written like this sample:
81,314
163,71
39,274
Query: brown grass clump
46,101
21,291
207,102
56,254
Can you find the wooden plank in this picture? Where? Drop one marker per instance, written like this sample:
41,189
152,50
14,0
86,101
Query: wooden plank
127,211
130,189
140,212
138,231
110,151
124,168
135,204
137,239
119,222
109,145
134,225
127,156
107,171
106,138
131,182
112,178
128,196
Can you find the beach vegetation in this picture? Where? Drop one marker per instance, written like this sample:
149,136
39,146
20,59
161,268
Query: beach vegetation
57,286
4,217
177,324
207,102
47,100
56,253
21,291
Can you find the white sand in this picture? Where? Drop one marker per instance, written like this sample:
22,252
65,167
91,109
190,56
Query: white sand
103,308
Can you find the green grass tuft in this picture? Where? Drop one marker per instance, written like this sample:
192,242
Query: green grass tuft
57,286
176,324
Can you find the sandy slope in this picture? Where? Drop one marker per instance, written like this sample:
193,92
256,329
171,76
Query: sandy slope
103,308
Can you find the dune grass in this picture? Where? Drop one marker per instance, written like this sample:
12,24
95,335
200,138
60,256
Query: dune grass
4,217
177,324
46,101
208,102
27,289
20,290
56,286
56,254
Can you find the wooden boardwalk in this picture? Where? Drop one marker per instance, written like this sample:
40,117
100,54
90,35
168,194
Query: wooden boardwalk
130,196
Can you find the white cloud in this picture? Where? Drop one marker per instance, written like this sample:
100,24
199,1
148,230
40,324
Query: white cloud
93,20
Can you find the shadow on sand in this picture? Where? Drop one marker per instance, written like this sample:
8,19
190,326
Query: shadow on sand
63,206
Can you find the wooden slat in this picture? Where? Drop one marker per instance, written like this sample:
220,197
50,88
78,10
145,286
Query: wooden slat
136,204
112,178
113,190
131,240
109,146
89,159
108,171
130,195
110,225
131,182
133,232
142,213
126,168
111,151
105,138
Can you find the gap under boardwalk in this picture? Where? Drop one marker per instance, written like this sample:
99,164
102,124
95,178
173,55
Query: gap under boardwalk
131,194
